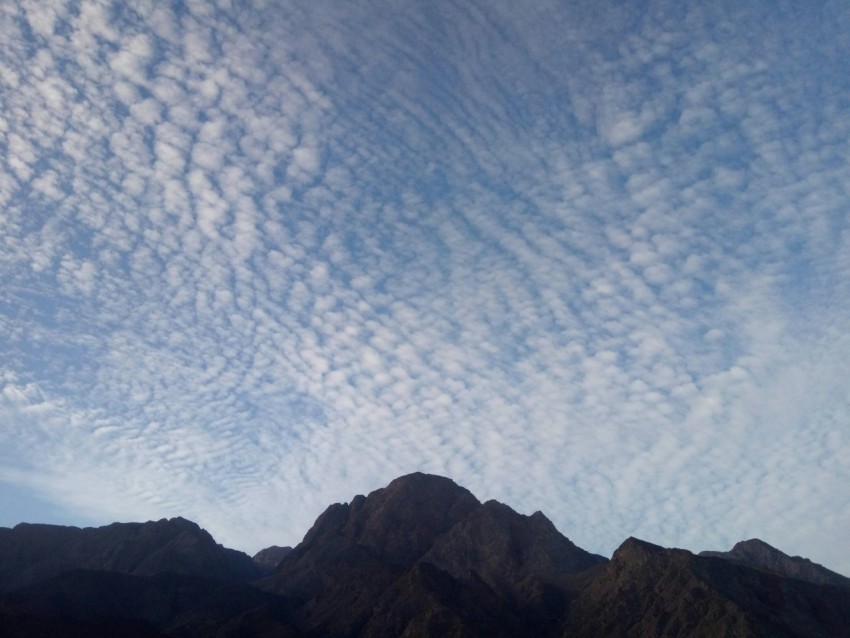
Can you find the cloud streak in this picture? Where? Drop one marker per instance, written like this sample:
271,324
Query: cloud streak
261,258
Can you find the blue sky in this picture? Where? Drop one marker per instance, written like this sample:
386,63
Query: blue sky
587,258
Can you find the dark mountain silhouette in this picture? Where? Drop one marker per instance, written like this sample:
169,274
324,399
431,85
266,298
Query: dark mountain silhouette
757,553
165,604
29,553
415,540
646,590
420,557
524,560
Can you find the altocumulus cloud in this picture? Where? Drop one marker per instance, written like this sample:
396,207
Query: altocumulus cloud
594,260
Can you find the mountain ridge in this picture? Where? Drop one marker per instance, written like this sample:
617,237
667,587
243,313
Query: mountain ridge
757,553
177,545
421,556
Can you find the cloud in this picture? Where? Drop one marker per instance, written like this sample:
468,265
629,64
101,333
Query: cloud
257,262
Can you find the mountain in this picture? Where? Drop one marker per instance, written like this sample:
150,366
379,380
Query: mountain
524,560
356,552
419,557
647,590
425,538
106,603
757,553
270,557
29,553
166,577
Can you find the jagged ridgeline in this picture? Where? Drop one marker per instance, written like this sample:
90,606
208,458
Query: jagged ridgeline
420,557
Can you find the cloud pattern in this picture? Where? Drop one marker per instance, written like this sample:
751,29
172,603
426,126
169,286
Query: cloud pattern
589,259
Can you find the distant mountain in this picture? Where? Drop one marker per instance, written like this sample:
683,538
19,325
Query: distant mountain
29,553
420,557
757,553
270,557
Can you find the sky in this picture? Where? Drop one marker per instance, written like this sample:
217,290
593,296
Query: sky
585,257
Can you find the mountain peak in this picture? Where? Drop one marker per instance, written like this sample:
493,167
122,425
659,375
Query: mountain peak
402,520
636,549
757,553
397,523
270,557
423,486
754,542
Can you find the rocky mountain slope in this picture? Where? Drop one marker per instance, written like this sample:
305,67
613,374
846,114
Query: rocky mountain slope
420,557
30,553
372,563
757,553
647,590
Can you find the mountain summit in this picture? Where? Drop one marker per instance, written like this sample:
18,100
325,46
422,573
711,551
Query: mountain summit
424,534
419,557
757,553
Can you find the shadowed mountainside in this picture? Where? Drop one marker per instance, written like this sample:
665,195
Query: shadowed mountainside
757,553
420,557
415,540
29,553
647,590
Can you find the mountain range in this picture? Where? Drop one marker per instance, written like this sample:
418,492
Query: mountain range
420,557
